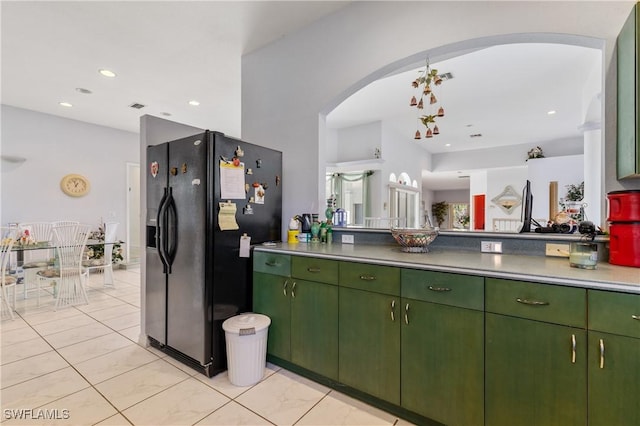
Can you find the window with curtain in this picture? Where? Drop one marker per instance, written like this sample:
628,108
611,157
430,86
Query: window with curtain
351,193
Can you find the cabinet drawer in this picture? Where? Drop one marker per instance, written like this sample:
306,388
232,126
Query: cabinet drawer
542,302
313,269
617,313
465,291
272,263
377,278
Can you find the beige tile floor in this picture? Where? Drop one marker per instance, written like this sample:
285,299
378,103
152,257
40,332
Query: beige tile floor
83,366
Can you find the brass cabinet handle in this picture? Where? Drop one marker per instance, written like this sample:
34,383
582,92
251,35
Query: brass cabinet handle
432,288
284,287
367,277
601,353
636,317
312,269
406,314
573,348
531,302
271,263
393,308
293,290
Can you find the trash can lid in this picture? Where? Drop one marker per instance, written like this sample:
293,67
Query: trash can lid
248,323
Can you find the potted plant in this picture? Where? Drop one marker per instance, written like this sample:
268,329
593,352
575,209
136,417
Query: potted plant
572,201
440,211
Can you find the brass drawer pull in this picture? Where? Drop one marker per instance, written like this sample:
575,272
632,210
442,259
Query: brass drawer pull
531,302
367,277
573,348
312,269
636,317
393,309
406,314
601,353
293,290
432,288
271,263
284,287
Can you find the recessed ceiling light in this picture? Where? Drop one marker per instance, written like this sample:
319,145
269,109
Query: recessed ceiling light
107,73
194,103
83,90
551,112
65,104
447,144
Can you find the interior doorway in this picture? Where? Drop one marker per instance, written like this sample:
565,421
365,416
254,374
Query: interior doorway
133,214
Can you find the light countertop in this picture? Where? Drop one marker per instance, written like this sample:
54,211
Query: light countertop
550,270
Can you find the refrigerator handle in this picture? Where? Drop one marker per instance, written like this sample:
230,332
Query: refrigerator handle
171,230
160,231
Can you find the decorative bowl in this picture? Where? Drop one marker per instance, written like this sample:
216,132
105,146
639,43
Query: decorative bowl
414,240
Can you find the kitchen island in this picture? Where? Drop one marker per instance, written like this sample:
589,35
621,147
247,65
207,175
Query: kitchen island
456,336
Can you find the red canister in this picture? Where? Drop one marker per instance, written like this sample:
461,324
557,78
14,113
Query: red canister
624,206
624,244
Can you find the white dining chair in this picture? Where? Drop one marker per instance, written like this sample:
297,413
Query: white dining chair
106,263
68,276
65,222
8,238
35,260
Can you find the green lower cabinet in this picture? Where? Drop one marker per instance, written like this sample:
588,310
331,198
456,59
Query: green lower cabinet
369,343
314,327
442,369
614,380
271,298
535,373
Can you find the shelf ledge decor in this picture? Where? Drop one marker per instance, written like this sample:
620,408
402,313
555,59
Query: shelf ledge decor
507,200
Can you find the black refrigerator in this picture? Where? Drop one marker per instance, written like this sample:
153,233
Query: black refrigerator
198,272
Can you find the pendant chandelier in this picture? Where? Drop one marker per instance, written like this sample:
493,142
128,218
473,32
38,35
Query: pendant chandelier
427,78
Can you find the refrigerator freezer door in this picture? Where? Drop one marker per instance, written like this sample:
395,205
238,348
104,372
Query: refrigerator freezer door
156,297
156,281
188,307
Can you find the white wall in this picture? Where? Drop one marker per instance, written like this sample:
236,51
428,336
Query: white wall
53,147
564,170
497,181
287,85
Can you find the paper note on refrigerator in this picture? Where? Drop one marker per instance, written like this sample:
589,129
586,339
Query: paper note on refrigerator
227,217
245,246
231,181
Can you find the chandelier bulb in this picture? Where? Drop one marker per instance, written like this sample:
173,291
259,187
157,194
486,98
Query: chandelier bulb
433,99
428,134
415,84
427,90
420,104
436,131
413,101
440,112
417,136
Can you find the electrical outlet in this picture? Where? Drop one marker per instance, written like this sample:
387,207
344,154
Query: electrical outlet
491,247
557,250
347,239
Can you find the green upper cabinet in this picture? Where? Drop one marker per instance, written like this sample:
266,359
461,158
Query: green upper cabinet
628,148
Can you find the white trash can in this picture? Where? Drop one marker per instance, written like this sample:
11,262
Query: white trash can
246,337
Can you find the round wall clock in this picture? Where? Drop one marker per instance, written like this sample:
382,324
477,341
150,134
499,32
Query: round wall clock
75,185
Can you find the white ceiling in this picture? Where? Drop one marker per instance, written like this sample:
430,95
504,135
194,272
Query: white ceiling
503,93
165,54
